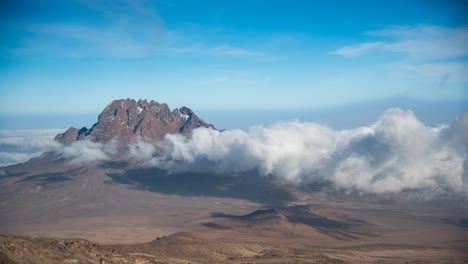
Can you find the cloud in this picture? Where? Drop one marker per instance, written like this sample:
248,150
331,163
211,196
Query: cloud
18,146
425,42
78,40
419,43
117,29
224,50
142,153
399,153
75,40
349,51
396,153
280,149
85,152
429,53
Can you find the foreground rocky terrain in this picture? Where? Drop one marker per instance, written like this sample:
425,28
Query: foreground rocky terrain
177,248
192,248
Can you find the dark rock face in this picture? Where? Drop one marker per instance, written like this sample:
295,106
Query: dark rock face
123,120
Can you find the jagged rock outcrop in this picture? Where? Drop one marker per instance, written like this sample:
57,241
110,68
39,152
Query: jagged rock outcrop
125,119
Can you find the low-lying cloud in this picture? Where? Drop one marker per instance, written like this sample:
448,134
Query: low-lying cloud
18,146
396,153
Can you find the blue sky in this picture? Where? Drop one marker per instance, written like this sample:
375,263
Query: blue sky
74,57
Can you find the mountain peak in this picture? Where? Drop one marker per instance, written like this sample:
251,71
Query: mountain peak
124,119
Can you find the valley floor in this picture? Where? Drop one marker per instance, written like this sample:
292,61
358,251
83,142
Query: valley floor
223,219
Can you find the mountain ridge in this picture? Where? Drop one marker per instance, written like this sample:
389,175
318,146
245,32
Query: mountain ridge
124,119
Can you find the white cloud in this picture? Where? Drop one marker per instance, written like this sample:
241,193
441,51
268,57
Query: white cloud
20,145
430,53
142,153
426,42
76,40
396,153
420,43
224,50
85,151
113,35
349,51
144,36
400,153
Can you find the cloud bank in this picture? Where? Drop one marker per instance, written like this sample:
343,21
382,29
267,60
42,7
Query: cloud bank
396,153
18,146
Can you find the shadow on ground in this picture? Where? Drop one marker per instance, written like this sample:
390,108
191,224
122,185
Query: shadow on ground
250,187
292,215
346,229
46,178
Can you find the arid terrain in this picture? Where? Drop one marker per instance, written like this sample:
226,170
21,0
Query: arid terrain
223,218
100,197
191,248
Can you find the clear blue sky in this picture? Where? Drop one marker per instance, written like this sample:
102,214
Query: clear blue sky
74,57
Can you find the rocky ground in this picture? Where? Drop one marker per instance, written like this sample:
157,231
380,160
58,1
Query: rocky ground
177,248
192,248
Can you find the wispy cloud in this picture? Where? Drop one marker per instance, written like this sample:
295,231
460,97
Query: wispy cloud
236,78
430,53
214,80
118,29
422,42
125,29
425,42
74,40
355,50
221,51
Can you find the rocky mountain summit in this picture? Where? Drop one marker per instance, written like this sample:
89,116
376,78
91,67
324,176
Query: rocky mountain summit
125,119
